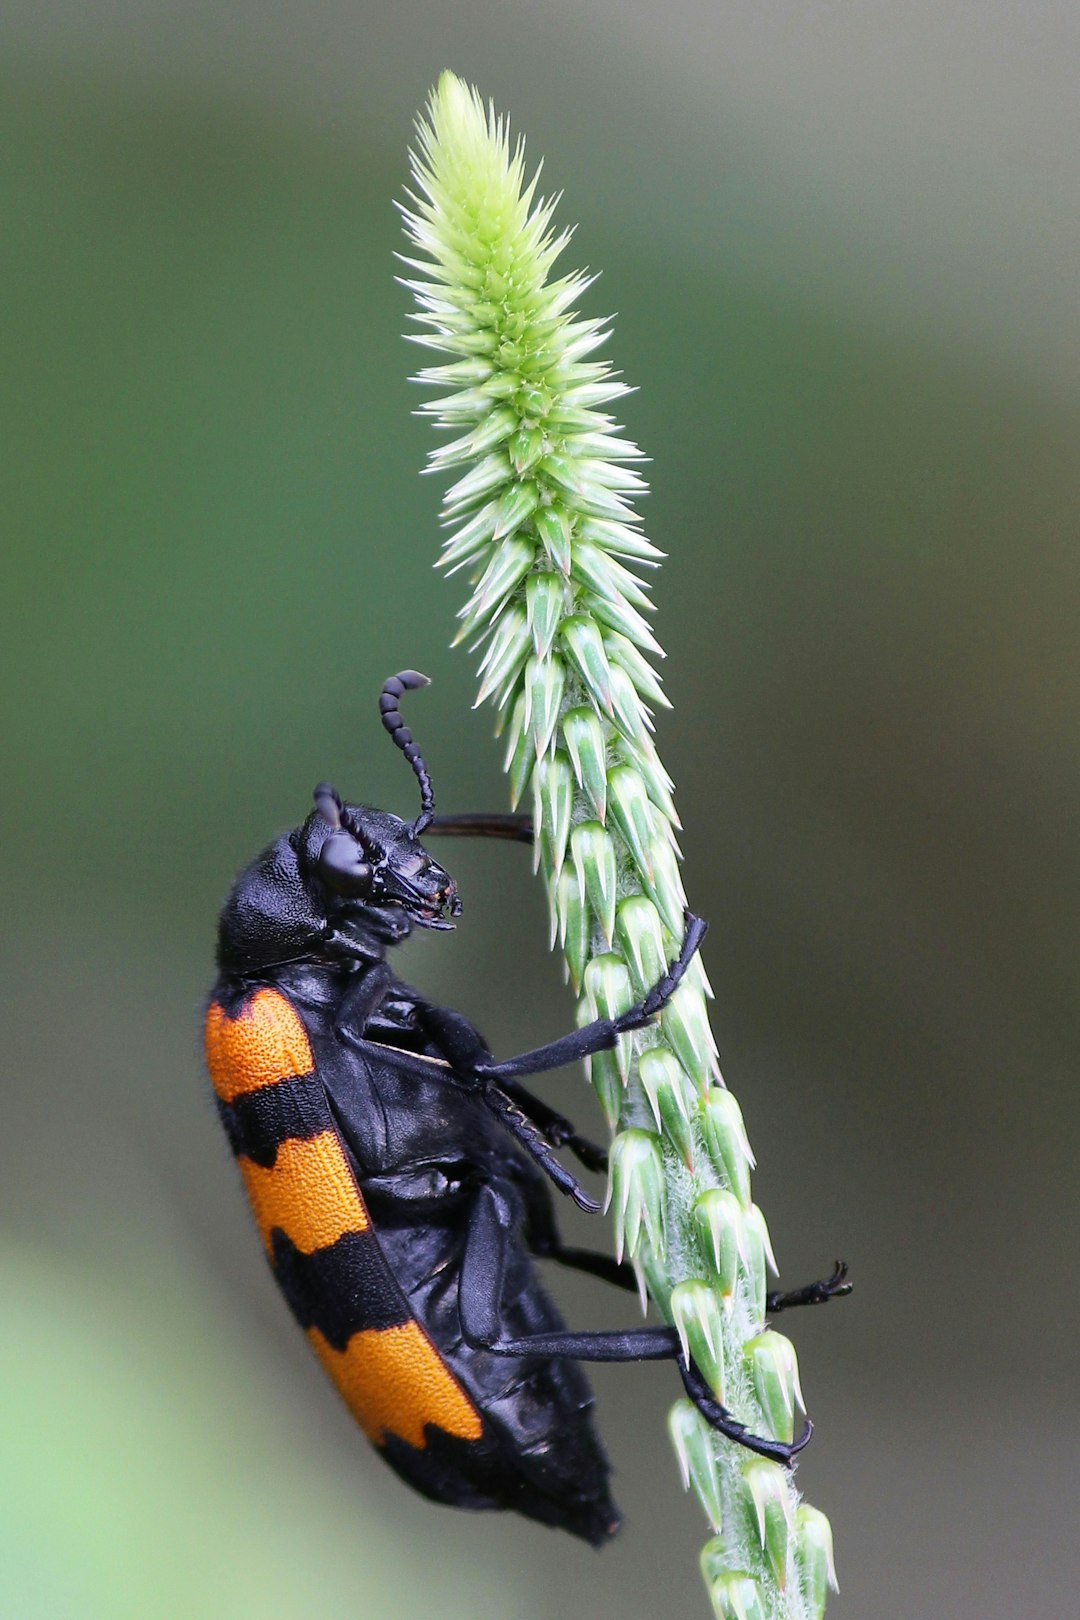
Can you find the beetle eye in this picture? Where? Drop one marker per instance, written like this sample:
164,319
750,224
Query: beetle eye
413,865
343,868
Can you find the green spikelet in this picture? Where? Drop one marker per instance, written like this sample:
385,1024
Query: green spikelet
539,516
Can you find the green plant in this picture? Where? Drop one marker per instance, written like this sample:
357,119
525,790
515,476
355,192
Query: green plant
541,518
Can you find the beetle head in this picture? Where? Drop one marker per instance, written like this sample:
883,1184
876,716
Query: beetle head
359,872
370,860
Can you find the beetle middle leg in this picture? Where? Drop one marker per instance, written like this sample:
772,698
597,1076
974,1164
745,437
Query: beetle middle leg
815,1293
559,1130
620,1275
593,1263
543,1240
537,1145
480,1291
468,1054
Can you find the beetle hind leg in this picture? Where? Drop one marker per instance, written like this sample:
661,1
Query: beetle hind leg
480,1291
480,1311
718,1417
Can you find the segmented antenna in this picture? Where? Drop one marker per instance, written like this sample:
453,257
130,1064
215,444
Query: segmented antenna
328,804
405,681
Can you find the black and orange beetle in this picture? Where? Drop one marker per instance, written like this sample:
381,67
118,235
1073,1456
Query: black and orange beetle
399,1175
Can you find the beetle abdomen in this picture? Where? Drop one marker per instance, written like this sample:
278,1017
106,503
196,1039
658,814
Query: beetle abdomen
317,1230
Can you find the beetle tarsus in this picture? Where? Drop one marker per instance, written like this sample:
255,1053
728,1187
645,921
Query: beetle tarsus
718,1416
662,991
815,1293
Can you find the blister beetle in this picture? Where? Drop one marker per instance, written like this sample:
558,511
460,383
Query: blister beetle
399,1175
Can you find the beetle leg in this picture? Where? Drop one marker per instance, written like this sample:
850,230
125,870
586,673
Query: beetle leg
609,1344
602,1033
480,1290
556,1127
542,1239
493,824
458,1041
537,1146
466,1051
719,1417
338,947
620,1275
816,1293
531,1122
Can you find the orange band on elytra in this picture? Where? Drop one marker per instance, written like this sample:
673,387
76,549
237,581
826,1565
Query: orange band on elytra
265,1043
394,1382
309,1192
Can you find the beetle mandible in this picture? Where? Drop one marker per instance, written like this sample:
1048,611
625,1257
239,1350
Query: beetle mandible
399,1175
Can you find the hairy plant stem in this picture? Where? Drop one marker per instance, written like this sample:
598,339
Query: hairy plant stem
541,520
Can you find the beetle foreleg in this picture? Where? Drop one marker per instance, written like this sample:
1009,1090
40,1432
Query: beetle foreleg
602,1033
360,1001
459,1042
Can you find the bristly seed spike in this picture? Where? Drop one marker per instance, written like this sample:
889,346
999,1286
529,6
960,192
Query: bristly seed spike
541,518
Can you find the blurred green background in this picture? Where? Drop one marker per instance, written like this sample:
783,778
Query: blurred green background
843,244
